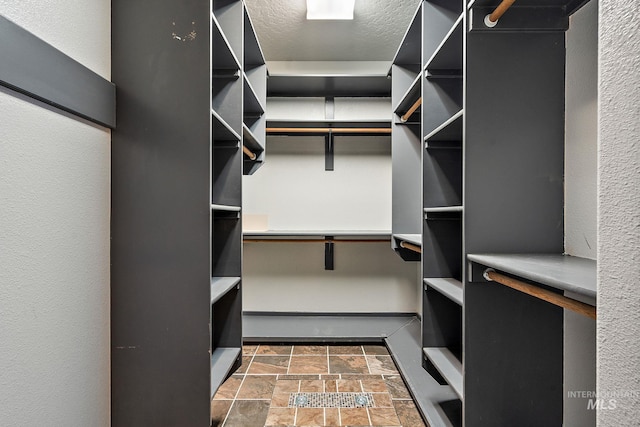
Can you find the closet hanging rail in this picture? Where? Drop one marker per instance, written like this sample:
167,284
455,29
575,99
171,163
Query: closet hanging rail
330,130
249,153
492,19
411,247
411,110
540,293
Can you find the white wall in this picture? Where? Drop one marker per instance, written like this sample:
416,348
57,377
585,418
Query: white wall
294,192
54,237
618,330
581,137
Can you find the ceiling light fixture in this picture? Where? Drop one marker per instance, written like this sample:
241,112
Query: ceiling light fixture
330,9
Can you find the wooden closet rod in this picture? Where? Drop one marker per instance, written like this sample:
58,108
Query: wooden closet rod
248,152
411,110
543,294
492,19
316,240
411,247
327,130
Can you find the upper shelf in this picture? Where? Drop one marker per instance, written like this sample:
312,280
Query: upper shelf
447,58
328,85
252,104
409,98
570,6
320,234
337,127
449,132
409,51
567,273
253,55
223,55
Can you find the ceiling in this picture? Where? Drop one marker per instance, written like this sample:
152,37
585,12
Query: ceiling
374,35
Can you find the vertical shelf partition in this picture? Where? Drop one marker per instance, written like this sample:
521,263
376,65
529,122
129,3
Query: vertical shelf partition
184,114
491,134
442,196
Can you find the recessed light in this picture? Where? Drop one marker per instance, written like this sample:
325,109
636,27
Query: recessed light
330,9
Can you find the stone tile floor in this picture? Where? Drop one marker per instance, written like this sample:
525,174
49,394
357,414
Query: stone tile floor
283,385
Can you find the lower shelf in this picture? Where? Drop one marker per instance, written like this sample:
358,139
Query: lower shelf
448,365
222,360
451,288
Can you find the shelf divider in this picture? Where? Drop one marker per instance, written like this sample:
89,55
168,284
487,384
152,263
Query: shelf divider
448,366
450,288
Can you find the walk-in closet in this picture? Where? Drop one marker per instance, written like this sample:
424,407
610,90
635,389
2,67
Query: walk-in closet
346,213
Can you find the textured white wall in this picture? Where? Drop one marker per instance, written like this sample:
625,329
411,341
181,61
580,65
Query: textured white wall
54,237
618,336
581,143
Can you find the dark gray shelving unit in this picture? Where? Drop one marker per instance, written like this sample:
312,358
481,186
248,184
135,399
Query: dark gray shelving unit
406,89
177,202
491,127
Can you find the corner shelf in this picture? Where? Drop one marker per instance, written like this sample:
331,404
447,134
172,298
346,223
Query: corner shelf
567,273
447,59
222,361
221,129
449,132
448,366
221,285
451,288
223,57
252,105
411,96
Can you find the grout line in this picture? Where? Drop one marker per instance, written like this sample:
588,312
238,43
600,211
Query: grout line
366,359
328,361
290,357
233,402
369,416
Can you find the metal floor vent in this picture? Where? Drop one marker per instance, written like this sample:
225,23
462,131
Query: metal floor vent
330,400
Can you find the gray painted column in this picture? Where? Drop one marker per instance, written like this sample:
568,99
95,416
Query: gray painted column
618,326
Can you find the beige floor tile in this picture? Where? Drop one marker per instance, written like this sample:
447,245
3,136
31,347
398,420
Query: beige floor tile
308,365
408,413
348,365
371,350
229,388
247,413
382,365
382,400
280,400
287,386
396,387
280,350
331,417
310,417
310,350
352,350
354,417
313,386
330,386
383,417
219,410
246,361
281,417
249,350
374,385
349,386
257,387
268,365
